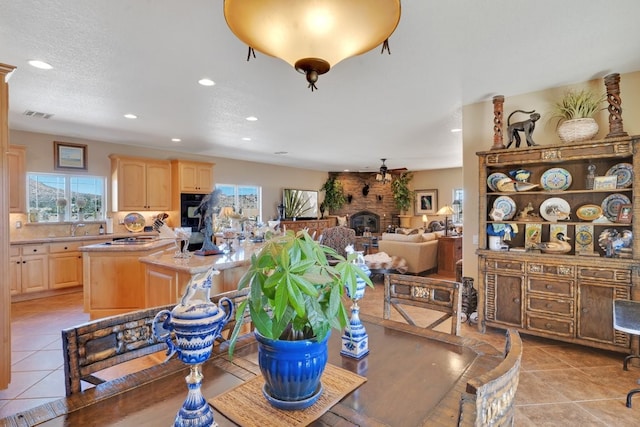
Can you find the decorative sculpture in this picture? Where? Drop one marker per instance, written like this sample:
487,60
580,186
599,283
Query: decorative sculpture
526,126
498,102
612,83
196,323
206,209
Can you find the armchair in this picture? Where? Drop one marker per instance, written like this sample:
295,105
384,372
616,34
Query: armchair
338,238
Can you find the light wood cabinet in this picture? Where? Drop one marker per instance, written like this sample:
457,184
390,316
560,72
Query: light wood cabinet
192,177
16,165
65,265
567,296
28,269
140,184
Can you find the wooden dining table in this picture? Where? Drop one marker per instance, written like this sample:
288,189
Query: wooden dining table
415,377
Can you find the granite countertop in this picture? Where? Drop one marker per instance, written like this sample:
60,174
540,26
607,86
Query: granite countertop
198,264
133,247
81,238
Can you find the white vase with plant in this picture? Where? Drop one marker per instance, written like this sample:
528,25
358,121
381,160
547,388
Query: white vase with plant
61,203
575,113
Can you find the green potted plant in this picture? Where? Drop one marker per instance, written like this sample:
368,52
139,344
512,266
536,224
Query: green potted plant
334,197
575,113
403,196
295,299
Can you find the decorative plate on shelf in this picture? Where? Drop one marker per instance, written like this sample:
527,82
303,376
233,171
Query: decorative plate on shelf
556,179
624,172
506,205
492,180
134,222
555,209
589,212
611,205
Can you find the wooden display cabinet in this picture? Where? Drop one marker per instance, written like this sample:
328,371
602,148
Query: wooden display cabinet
568,297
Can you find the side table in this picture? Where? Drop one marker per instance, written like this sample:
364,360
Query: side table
449,252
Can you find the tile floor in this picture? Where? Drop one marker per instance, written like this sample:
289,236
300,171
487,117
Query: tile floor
560,384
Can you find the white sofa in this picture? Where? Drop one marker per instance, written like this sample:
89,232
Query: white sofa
420,250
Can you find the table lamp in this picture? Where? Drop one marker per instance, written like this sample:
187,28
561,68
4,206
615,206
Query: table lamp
446,211
424,220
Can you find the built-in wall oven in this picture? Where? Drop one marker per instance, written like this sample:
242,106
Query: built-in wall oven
189,203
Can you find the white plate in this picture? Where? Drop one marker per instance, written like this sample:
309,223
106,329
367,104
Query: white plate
493,179
506,205
611,205
556,179
555,209
624,172
134,222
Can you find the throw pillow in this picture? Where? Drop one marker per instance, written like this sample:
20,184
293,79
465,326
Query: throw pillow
342,221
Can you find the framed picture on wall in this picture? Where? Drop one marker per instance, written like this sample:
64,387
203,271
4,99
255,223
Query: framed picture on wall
426,201
68,156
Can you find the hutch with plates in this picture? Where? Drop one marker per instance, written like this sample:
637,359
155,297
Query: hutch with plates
567,292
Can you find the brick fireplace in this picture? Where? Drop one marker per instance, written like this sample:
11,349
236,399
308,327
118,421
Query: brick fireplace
365,219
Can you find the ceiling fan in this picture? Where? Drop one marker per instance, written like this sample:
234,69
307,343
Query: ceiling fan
384,175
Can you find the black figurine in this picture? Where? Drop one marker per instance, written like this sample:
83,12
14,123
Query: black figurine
525,126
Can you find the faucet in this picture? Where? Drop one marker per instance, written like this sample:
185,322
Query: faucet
74,227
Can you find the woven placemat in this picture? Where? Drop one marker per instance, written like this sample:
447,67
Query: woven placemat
246,406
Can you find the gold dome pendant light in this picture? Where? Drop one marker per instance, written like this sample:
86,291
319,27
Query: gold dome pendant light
312,35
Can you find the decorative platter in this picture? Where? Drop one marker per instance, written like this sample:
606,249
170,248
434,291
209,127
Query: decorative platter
555,209
556,179
134,222
611,205
506,205
624,172
492,180
589,212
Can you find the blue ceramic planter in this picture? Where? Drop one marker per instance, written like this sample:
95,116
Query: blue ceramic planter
292,369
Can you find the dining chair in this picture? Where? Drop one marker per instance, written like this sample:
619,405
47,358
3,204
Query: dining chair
626,318
489,398
431,294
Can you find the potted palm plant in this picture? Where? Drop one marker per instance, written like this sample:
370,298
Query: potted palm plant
334,197
575,113
403,196
295,299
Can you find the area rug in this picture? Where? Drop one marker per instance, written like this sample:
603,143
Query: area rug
246,406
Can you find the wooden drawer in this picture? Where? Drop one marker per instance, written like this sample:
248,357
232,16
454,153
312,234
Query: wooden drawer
551,269
551,325
14,250
62,247
551,286
562,307
505,265
608,274
34,249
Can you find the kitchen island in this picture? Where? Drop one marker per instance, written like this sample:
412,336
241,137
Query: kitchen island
113,277
165,276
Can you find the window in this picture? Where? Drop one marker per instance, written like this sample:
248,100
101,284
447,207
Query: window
245,200
458,197
58,197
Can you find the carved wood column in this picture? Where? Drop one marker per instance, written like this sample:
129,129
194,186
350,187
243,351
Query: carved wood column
498,103
612,83
5,293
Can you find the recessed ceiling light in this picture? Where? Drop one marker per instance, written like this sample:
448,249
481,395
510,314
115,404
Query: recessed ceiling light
246,138
456,130
40,64
176,140
281,152
206,82
131,116
252,118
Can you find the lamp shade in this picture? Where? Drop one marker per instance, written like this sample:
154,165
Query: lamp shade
445,210
424,218
312,35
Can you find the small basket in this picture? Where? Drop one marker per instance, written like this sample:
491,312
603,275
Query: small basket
577,130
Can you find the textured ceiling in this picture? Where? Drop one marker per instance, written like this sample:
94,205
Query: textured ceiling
112,57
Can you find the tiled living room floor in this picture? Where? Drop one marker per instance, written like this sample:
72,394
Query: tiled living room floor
560,384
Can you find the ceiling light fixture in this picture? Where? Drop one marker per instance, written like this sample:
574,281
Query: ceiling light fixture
206,82
131,116
40,64
176,140
383,176
313,36
456,130
252,118
246,138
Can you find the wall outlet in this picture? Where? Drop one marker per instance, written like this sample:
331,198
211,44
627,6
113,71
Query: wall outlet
18,224
475,239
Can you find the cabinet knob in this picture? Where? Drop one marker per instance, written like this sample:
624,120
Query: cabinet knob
35,250
549,286
65,248
585,310
549,305
24,262
548,325
516,300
